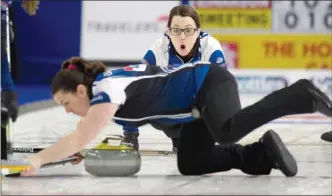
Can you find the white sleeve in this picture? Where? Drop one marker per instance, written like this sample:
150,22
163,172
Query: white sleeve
107,91
158,53
213,52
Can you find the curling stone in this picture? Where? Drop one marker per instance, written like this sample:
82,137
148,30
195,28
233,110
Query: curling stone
112,162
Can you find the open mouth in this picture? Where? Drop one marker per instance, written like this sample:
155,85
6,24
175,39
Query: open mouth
183,47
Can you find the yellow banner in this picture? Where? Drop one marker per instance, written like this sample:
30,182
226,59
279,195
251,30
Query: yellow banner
236,18
279,51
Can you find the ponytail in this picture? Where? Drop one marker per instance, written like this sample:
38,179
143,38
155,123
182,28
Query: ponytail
90,69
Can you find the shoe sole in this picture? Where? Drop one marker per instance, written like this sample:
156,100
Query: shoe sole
320,96
286,162
327,136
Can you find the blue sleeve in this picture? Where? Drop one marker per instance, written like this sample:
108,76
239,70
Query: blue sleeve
149,58
101,97
7,83
217,57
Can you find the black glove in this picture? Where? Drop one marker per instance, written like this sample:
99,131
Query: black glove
9,105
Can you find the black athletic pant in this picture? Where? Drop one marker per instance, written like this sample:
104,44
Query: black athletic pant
3,127
224,122
4,154
4,123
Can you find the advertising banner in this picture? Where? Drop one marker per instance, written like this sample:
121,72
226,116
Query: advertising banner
234,14
282,51
235,18
231,52
255,84
122,30
263,82
308,16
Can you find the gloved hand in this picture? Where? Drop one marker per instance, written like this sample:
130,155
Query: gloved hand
9,106
30,6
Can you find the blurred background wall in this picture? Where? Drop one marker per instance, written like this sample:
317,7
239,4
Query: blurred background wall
267,44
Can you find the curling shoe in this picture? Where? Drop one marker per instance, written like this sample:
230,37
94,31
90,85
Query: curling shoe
327,136
130,139
277,153
322,103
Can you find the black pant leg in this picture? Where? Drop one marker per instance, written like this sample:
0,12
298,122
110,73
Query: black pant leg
198,154
295,99
194,140
170,130
4,154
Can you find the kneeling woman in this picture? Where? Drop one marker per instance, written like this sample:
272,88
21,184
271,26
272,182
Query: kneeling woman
140,94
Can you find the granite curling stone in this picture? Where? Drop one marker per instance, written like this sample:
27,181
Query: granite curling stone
112,162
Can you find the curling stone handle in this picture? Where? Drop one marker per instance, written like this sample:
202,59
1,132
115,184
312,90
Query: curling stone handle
113,137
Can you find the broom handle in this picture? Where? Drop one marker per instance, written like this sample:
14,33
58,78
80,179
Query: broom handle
142,152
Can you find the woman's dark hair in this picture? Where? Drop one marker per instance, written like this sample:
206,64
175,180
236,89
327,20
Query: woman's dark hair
75,71
184,10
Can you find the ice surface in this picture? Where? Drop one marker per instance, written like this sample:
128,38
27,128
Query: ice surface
159,175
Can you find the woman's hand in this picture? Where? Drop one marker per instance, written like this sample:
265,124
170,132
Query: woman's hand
80,157
35,164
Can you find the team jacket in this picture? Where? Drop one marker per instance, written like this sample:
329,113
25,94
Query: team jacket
162,54
150,93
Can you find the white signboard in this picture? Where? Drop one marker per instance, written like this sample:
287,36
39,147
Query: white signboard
122,30
231,4
309,16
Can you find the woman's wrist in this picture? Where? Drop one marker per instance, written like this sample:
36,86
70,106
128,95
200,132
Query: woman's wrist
37,160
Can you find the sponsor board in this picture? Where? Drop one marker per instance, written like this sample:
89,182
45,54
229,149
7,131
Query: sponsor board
231,4
122,30
231,52
260,84
234,14
286,51
235,18
212,18
259,81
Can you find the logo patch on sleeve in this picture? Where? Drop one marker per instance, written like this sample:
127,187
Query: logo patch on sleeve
101,97
219,60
